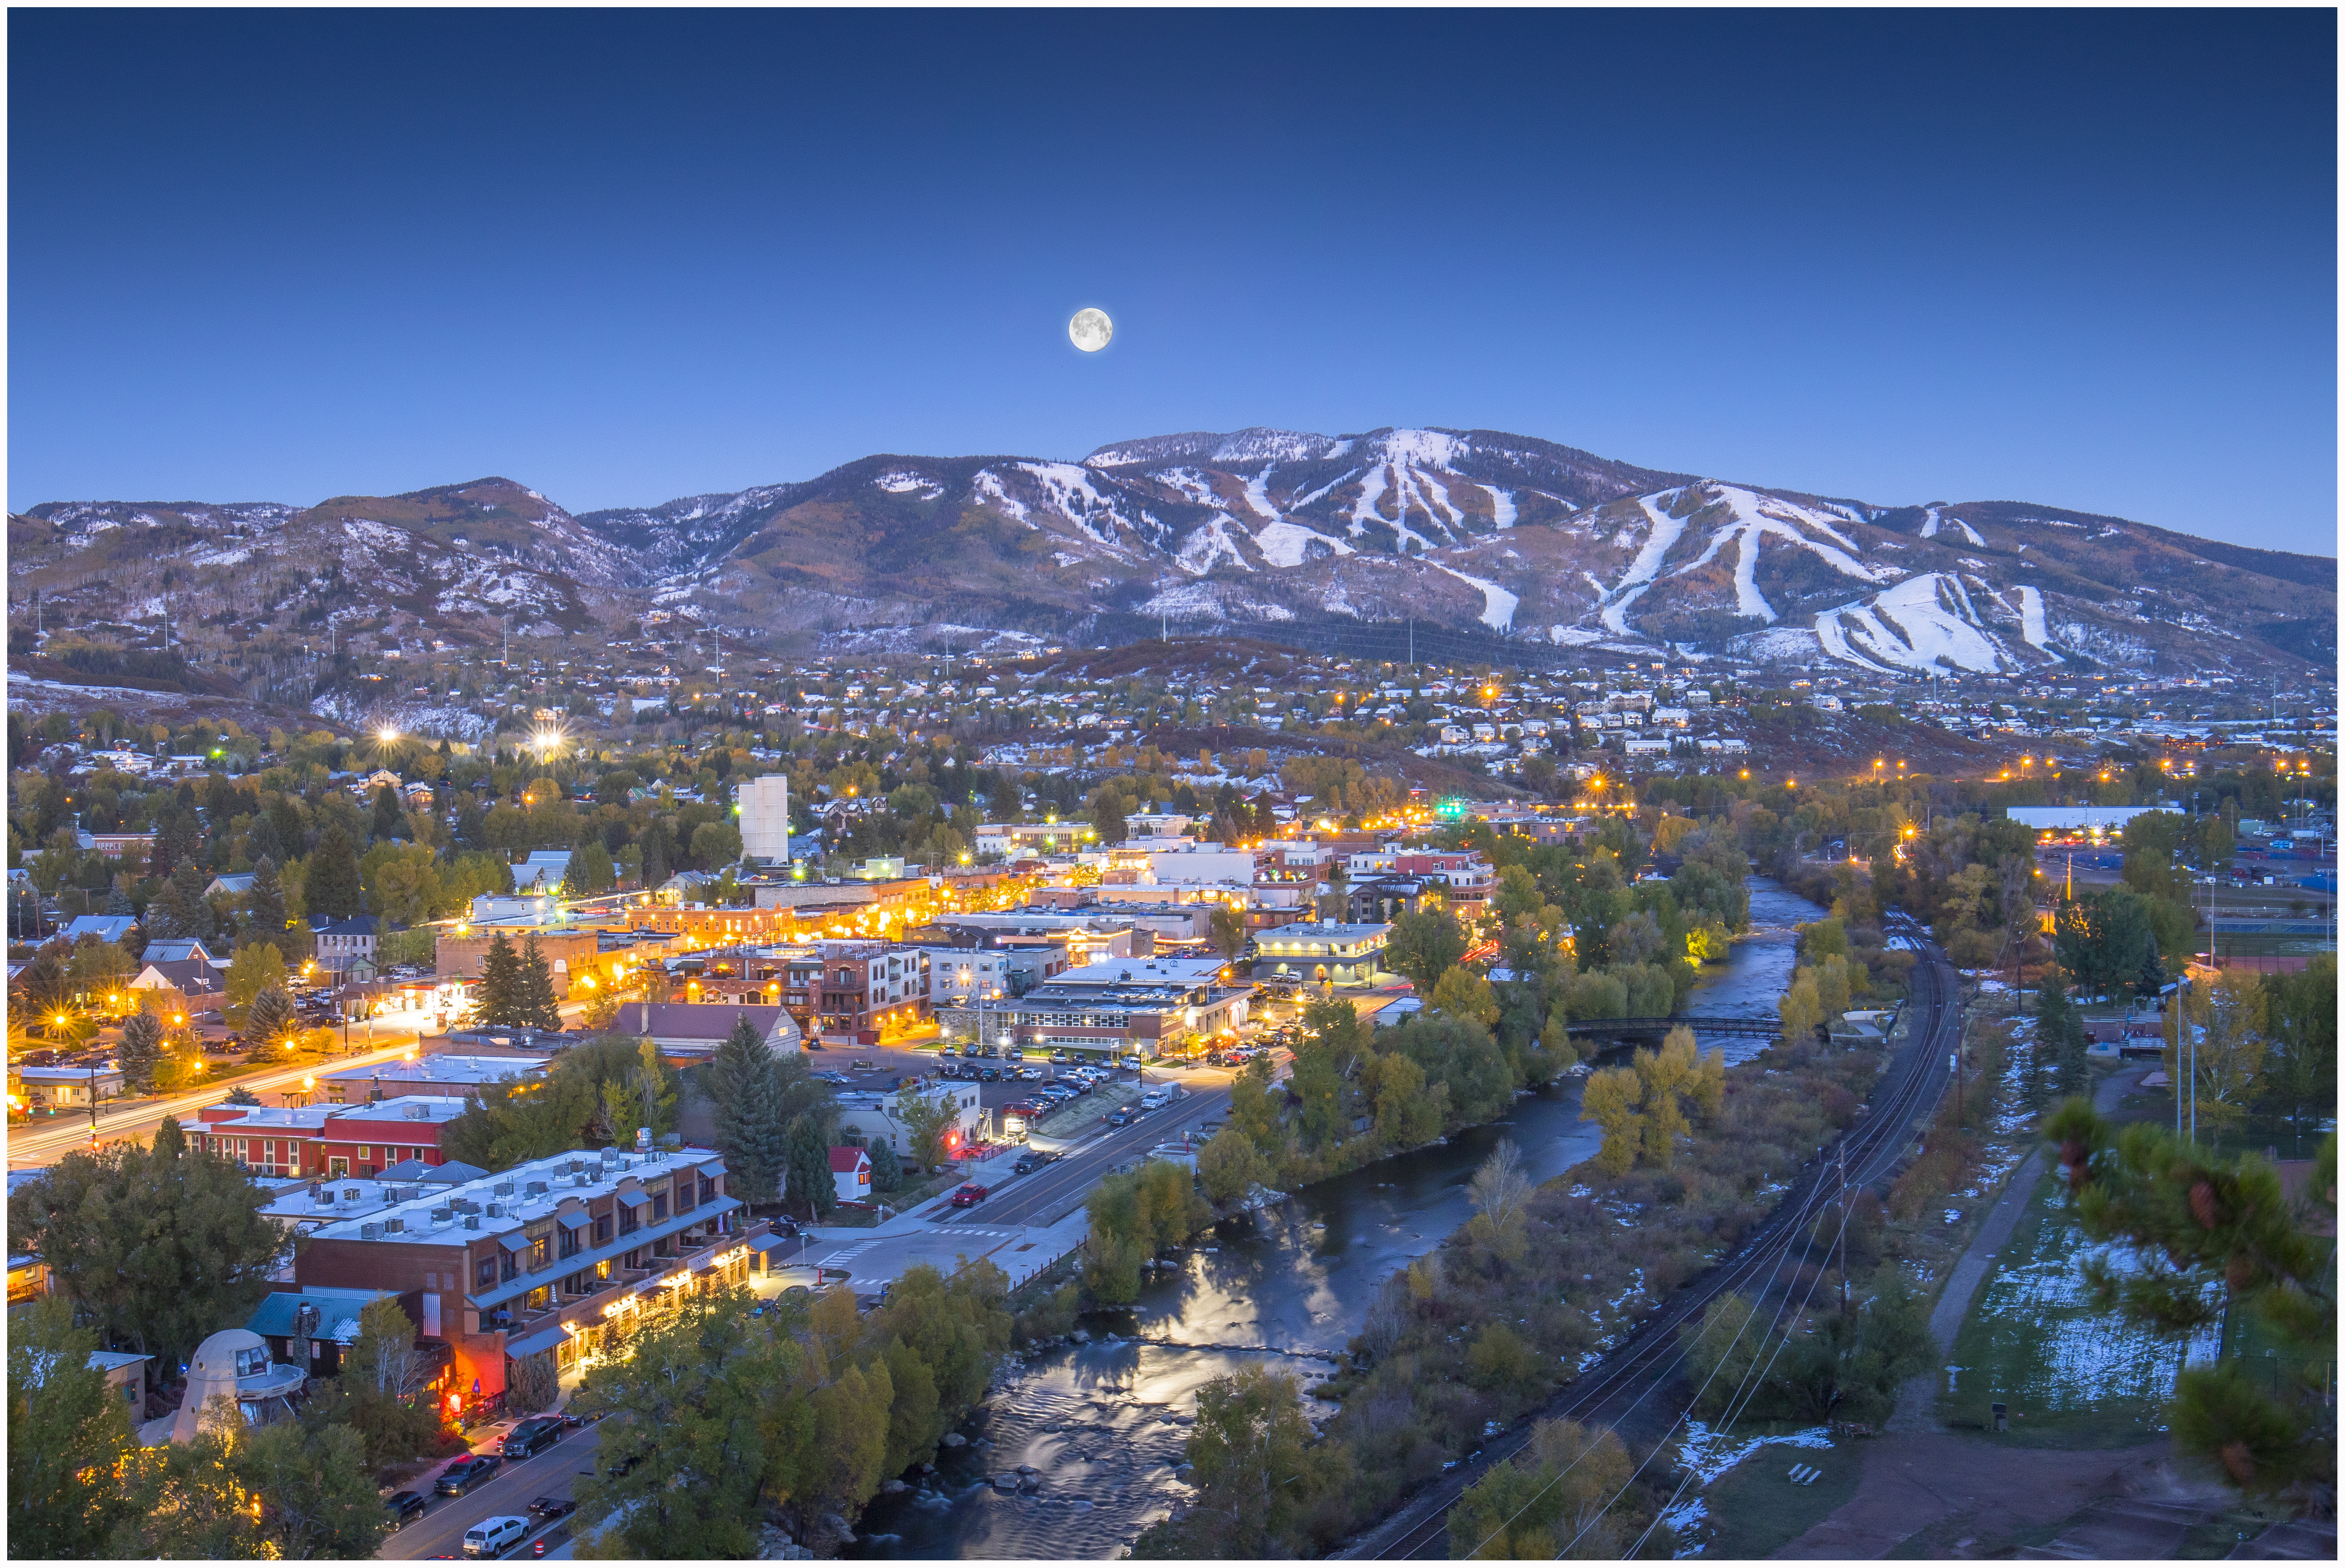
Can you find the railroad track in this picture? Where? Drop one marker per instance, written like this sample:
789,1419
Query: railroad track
1873,1148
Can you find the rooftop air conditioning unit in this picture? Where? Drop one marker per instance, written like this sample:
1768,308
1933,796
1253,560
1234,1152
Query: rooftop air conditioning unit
395,1225
370,1231
496,1212
417,1113
503,1189
351,1195
472,1222
538,1189
442,1215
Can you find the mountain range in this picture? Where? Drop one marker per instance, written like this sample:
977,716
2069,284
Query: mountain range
1252,531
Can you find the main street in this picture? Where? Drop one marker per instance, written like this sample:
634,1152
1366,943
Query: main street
440,1533
43,1142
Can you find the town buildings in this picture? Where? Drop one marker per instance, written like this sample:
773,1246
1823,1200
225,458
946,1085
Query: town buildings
551,1257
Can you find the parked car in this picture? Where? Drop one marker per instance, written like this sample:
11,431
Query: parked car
467,1474
1031,1160
1059,1056
859,1065
492,1537
1133,1062
969,1196
551,1507
531,1436
1014,1053
1030,1075
949,1069
402,1506
988,1074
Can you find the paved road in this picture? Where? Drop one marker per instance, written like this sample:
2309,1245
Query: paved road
43,1142
441,1529
1059,1187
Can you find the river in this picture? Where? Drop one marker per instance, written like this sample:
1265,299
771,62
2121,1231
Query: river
1102,1424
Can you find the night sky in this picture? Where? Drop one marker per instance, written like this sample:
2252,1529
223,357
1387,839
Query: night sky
2082,258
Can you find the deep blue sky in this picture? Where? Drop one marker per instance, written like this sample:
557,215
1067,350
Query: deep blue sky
2081,258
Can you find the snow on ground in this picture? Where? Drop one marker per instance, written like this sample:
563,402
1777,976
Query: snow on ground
2031,617
1710,1455
1257,495
1288,543
1211,545
1301,501
989,485
1930,524
1753,517
381,535
1497,605
1502,505
1428,449
1363,509
1192,600
1570,636
896,481
1921,623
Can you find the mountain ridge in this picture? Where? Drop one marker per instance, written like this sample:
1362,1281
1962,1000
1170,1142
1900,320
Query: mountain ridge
1261,527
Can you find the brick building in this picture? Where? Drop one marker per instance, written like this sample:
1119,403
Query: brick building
552,1258
327,1141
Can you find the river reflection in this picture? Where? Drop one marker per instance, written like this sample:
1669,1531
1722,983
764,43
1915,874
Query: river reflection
1102,1424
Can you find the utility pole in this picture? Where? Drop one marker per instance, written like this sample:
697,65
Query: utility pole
1843,1226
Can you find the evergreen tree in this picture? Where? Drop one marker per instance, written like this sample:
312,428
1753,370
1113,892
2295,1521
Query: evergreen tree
746,1094
2060,1035
331,885
811,1189
270,1023
187,892
118,900
263,843
264,905
142,1049
497,999
655,848
538,1008
389,821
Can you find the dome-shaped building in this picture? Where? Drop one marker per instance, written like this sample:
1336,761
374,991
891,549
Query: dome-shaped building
234,1364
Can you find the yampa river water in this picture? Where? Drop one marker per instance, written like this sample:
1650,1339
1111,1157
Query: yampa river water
1102,1424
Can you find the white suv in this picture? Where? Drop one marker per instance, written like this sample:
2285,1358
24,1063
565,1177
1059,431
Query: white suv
490,1537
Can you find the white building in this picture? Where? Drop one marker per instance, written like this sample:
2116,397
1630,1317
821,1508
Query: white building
880,1118
765,819
966,971
1202,862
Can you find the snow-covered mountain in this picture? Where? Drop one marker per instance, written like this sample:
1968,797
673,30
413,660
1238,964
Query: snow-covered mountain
1506,533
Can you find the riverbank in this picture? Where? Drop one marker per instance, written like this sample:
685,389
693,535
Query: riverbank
1282,1288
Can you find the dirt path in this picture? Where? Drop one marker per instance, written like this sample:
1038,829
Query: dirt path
1913,1479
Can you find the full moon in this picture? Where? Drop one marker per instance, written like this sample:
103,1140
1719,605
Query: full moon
1091,329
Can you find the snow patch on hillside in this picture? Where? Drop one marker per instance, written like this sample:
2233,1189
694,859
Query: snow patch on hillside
1924,623
1497,605
989,485
896,481
1502,505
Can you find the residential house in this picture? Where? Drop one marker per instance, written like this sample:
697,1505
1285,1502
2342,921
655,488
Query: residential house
686,1032
850,1173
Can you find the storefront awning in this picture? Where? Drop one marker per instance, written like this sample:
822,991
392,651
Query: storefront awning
635,1199
515,1242
578,1221
544,1339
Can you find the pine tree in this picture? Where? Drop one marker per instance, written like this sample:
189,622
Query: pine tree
264,843
655,847
270,1023
496,1001
118,900
188,906
811,1188
743,1088
2060,1033
389,821
538,1006
142,1049
264,905
331,885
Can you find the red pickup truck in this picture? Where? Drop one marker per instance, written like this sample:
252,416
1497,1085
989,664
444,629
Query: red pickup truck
969,1196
